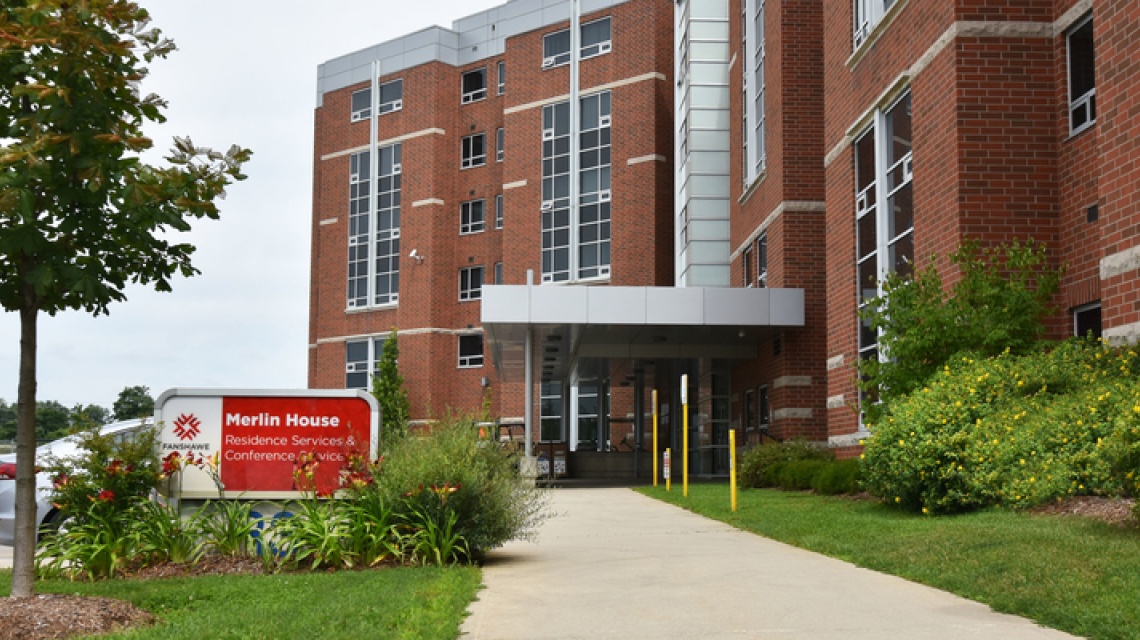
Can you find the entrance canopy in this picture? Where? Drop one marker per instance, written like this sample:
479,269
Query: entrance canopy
572,324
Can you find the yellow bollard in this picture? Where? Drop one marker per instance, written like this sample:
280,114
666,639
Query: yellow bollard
685,435
732,465
668,472
655,437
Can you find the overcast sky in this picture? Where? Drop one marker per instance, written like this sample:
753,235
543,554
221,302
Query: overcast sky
245,73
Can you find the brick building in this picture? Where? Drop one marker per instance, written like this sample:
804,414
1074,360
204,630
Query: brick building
563,205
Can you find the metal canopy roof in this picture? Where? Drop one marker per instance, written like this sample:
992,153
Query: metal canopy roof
581,323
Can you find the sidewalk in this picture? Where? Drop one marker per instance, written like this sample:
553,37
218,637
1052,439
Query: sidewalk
615,564
5,557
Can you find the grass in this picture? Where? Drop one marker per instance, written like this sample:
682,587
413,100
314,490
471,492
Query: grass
406,603
1072,574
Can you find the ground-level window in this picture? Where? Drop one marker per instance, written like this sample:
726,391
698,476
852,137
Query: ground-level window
550,411
884,209
470,350
1086,320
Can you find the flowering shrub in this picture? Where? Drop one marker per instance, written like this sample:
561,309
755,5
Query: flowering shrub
1011,430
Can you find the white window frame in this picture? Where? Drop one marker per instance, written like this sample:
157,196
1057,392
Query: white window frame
561,58
866,15
501,77
474,95
375,188
472,217
499,211
374,348
395,104
1084,105
468,157
500,143
762,261
471,360
468,289
754,55
362,113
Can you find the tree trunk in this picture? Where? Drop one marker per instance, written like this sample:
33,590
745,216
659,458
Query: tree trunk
24,553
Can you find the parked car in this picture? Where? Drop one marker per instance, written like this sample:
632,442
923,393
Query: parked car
60,449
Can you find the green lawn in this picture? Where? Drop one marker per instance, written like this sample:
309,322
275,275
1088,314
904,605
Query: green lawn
406,603
1068,573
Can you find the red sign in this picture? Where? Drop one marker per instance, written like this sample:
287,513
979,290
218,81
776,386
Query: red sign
267,441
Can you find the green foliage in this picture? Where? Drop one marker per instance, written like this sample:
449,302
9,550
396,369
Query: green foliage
1011,430
388,388
493,502
757,465
162,535
53,420
227,527
840,476
798,475
109,474
434,538
133,402
97,545
998,304
316,535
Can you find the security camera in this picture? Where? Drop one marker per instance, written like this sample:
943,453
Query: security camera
413,253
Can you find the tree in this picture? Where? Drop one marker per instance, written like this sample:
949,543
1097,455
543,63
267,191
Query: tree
998,303
53,420
81,215
388,388
92,415
133,402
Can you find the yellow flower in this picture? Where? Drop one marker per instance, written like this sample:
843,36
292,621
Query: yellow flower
925,510
898,499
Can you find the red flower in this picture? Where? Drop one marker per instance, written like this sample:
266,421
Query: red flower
106,495
60,481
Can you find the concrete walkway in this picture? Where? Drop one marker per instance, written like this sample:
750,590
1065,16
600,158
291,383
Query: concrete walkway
613,563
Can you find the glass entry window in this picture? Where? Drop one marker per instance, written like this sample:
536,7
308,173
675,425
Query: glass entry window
588,422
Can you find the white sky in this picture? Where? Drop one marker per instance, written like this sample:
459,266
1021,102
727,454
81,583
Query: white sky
245,73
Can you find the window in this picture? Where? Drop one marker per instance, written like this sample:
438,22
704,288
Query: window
1086,320
502,77
765,412
550,411
499,139
361,361
747,260
361,105
594,180
498,273
762,260
474,86
595,40
884,208
473,152
1082,77
470,283
588,238
754,145
868,13
499,212
391,99
749,410
556,49
374,228
470,350
471,217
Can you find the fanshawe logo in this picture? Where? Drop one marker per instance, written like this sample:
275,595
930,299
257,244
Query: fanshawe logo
187,427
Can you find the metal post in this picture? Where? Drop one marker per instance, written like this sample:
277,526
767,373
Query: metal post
685,435
528,368
732,465
655,437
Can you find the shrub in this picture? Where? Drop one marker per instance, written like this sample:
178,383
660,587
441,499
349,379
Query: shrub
997,305
756,465
798,475
493,503
840,476
1009,430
